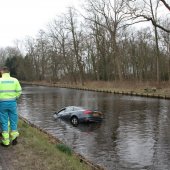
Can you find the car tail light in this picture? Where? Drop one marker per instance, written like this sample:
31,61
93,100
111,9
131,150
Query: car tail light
87,112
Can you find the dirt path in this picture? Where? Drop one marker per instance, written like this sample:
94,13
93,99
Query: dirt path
6,155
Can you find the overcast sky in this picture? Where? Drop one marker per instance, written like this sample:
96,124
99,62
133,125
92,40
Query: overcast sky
21,18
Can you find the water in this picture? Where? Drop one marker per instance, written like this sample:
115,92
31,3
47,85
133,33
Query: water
134,134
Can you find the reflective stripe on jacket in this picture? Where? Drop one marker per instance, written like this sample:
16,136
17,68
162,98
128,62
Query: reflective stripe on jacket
10,88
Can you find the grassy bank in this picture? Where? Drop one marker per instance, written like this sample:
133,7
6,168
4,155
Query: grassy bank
36,151
146,89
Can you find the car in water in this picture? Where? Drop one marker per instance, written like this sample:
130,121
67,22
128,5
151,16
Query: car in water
77,114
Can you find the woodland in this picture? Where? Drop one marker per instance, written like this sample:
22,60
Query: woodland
105,40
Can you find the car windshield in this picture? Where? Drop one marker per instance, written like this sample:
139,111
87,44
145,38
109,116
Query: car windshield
61,110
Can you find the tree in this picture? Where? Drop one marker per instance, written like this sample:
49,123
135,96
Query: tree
61,58
112,19
77,41
148,10
139,9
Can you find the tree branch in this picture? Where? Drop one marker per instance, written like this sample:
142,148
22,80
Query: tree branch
155,23
166,4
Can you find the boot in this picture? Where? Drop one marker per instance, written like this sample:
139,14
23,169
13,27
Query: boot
14,142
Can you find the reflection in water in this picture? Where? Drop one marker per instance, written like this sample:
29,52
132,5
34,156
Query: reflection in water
134,134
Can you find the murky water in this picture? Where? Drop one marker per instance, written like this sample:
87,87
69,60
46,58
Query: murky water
133,136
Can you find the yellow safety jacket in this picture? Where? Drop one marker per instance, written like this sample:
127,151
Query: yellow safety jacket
10,88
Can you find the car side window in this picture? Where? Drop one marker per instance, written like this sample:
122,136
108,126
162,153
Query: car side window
69,109
77,108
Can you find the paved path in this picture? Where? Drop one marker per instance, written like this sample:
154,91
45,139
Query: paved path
5,158
2,161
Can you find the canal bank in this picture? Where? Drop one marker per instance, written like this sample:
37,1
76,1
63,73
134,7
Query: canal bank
151,90
36,149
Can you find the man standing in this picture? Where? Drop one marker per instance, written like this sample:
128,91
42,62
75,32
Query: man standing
10,90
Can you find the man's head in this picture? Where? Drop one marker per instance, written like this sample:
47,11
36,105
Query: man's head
4,69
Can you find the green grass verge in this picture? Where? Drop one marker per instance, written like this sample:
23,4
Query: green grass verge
35,150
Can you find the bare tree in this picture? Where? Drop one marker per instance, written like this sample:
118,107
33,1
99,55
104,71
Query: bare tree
140,9
3,56
30,47
113,20
166,4
166,48
148,10
58,35
77,38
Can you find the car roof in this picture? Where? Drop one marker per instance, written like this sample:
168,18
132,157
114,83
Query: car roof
76,107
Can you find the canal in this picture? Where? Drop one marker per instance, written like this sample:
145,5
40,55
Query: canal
134,134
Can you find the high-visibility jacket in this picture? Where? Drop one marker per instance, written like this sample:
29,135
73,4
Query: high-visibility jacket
10,88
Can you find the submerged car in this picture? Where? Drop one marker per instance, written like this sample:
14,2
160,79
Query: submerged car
77,114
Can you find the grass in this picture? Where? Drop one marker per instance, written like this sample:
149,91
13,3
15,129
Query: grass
64,148
36,151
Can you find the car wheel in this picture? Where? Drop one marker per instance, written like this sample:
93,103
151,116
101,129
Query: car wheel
74,121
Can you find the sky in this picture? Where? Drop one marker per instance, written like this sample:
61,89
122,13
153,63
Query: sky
22,18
